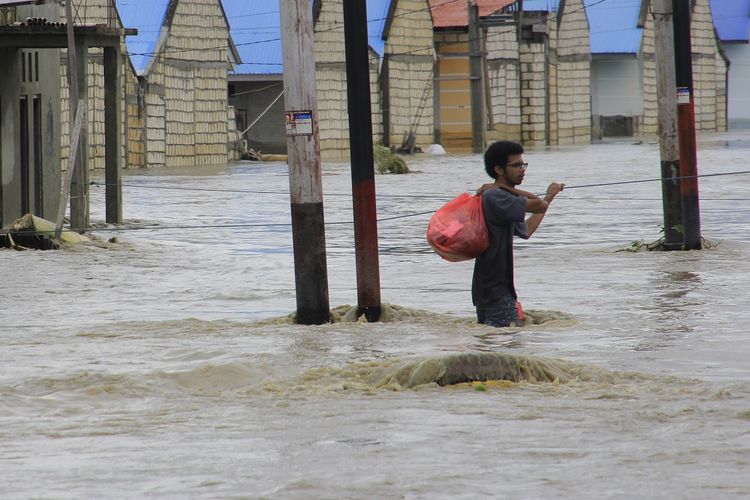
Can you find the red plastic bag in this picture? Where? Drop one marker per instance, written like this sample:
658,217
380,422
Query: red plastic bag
457,230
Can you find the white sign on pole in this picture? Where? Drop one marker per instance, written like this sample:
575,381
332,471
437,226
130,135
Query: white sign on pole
299,123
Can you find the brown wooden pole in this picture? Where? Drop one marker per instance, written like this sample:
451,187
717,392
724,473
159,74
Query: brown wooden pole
112,134
303,149
668,140
77,119
478,114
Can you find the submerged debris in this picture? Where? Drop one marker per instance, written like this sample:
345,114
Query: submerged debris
32,232
253,155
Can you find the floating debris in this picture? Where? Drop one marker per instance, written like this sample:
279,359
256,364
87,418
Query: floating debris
32,232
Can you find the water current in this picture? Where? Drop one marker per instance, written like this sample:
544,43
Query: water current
164,364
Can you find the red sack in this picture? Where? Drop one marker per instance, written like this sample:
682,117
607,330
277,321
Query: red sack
457,230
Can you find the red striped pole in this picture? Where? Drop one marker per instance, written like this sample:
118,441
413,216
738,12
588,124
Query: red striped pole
363,171
686,125
303,149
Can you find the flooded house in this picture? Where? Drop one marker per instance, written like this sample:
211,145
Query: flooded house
35,110
624,80
732,21
30,116
255,81
406,77
455,125
177,109
536,71
400,58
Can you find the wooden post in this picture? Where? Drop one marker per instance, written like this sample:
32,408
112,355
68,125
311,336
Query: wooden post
668,140
112,134
79,188
686,125
363,170
478,115
303,149
77,118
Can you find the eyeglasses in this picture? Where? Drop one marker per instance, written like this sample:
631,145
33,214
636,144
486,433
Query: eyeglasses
520,164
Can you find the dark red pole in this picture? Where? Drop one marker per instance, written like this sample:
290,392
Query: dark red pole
363,171
686,125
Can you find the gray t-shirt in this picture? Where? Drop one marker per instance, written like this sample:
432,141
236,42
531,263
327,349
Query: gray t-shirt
493,270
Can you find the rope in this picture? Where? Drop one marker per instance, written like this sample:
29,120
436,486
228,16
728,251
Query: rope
658,179
382,219
282,193
245,191
202,226
263,113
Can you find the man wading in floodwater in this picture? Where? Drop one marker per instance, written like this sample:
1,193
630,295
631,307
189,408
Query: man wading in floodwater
492,289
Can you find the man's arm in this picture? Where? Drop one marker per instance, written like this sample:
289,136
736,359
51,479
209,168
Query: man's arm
536,219
534,204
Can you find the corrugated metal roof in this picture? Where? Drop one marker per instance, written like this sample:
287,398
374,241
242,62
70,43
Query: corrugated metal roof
148,17
455,14
377,16
16,2
255,29
540,5
613,26
731,19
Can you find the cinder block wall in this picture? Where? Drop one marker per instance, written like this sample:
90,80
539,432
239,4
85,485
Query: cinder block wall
411,55
709,71
502,70
87,12
194,65
331,85
179,116
533,62
573,76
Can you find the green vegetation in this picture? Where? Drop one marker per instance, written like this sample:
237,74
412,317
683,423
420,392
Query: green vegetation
389,162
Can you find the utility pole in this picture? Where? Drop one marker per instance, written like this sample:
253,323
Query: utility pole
363,171
476,71
686,125
668,143
303,148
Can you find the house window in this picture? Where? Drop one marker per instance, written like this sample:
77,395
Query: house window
24,147
240,116
38,174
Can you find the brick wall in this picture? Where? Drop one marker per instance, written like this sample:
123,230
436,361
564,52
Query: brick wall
410,54
193,66
573,76
503,79
331,85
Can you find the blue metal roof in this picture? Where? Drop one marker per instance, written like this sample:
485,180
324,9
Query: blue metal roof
255,29
540,5
147,16
613,26
731,19
377,15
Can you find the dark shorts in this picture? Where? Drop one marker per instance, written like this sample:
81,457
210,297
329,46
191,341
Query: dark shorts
502,313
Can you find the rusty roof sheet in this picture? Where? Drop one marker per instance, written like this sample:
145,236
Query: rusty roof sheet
455,13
